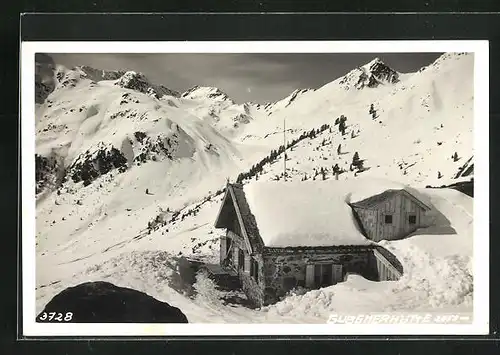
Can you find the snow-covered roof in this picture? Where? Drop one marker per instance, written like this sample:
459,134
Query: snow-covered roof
311,213
375,200
307,213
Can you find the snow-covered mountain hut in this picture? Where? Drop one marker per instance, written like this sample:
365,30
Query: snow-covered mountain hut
284,235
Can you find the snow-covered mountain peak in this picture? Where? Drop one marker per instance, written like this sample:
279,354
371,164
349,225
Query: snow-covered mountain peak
287,101
134,80
370,75
137,81
448,59
99,74
373,62
201,92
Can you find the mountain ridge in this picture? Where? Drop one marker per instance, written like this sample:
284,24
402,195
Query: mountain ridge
375,70
221,112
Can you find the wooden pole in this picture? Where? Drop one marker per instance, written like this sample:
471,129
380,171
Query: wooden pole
284,152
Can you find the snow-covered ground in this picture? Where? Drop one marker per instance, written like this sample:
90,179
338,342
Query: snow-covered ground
100,231
437,277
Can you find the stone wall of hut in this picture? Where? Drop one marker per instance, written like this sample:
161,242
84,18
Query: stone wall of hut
285,269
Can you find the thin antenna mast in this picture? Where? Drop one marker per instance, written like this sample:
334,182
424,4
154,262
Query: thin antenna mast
284,152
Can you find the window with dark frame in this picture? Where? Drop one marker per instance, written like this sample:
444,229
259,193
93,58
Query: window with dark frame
229,243
326,275
323,275
317,275
234,255
412,219
254,269
241,259
388,219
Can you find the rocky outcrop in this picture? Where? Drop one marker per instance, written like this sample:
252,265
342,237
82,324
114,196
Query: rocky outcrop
99,74
295,94
155,148
213,93
69,79
467,169
103,302
42,90
161,90
242,119
370,75
138,82
48,172
44,77
96,162
379,73
465,187
134,81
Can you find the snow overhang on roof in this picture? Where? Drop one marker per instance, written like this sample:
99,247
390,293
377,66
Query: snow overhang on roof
303,214
375,200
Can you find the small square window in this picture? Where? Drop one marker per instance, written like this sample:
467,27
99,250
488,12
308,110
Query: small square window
388,219
412,219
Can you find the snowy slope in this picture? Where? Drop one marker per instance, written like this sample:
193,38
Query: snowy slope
104,139
434,280
437,103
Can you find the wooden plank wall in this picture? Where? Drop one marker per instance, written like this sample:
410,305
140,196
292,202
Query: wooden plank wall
386,271
400,207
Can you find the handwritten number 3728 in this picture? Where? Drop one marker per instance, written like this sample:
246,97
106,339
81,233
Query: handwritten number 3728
57,317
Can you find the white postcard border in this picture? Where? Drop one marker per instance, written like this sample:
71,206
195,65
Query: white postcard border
480,323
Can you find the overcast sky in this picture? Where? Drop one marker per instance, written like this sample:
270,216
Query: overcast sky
244,77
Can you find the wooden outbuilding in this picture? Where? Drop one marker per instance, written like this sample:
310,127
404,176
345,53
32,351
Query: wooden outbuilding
391,215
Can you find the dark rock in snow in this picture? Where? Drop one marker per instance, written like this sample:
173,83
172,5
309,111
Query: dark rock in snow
465,187
295,94
44,77
371,75
103,302
48,172
42,90
208,92
99,74
156,148
90,165
380,73
138,82
242,118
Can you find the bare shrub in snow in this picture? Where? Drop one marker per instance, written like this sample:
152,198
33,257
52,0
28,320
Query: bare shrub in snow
206,288
297,291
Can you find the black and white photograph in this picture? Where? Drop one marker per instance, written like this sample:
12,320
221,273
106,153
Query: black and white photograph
255,185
